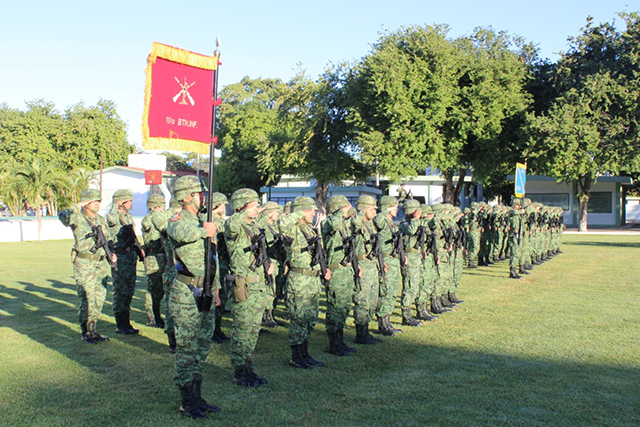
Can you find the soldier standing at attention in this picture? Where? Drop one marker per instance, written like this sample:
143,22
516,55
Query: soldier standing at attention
339,246
304,280
429,269
389,235
268,221
193,328
366,296
154,261
250,292
219,207
124,277
90,264
412,274
516,229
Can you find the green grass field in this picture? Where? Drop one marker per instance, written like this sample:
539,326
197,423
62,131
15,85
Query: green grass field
559,347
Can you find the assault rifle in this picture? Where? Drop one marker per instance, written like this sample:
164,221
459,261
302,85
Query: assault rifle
376,252
314,246
448,238
421,241
132,240
432,247
350,257
398,247
260,255
101,242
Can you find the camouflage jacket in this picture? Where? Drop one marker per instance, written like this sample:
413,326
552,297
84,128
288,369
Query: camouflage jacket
80,223
187,236
296,232
334,232
117,220
151,236
238,232
387,228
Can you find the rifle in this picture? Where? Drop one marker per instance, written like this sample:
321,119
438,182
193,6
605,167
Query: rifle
350,257
448,238
432,247
376,252
260,255
422,241
317,255
101,242
132,240
398,247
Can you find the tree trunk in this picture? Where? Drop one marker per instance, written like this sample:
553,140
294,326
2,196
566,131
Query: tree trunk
583,202
39,217
322,189
448,195
459,187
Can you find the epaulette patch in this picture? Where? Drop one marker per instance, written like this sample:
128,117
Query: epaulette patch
176,217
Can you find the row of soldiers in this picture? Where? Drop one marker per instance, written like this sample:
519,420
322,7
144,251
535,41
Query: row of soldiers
528,233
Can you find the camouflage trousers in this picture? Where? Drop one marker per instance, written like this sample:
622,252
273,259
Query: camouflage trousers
223,292
91,285
124,282
428,280
457,263
445,274
514,252
365,299
473,246
389,287
339,298
193,330
168,275
247,316
302,300
411,280
154,266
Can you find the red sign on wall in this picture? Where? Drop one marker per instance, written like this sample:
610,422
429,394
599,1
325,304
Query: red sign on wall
153,177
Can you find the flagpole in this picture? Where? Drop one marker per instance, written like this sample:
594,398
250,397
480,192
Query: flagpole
207,301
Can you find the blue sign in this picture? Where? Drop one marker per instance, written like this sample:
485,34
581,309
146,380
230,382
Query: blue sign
521,179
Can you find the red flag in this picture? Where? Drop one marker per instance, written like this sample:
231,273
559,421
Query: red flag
178,100
153,177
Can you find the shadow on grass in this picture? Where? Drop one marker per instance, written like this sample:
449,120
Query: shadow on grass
635,245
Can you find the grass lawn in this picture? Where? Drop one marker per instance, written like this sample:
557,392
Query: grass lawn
559,347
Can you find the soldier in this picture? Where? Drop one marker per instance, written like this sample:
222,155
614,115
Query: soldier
161,222
90,262
473,243
268,221
304,280
515,237
412,273
391,245
193,328
444,241
402,193
154,261
128,249
250,291
366,296
219,207
429,267
340,248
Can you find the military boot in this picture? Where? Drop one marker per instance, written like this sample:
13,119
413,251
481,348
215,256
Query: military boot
454,299
387,320
187,406
307,358
513,274
423,313
523,270
383,329
362,335
254,376
86,335
443,309
197,399
297,359
267,320
157,316
334,346
341,343
218,336
444,299
122,324
408,319
171,337
242,377
371,337
472,264
94,333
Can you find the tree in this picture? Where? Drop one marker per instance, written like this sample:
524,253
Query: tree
591,128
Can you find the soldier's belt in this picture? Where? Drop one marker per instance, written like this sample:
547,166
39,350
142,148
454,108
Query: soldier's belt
190,280
362,257
389,255
336,266
412,251
306,271
244,279
90,257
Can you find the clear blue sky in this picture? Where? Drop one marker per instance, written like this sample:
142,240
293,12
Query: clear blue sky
71,51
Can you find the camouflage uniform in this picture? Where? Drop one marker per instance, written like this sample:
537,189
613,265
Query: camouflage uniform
90,270
124,275
473,243
516,229
335,232
154,261
428,272
250,291
445,269
304,283
222,259
412,273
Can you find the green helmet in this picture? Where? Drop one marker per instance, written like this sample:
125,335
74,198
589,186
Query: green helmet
287,208
337,202
365,201
426,209
388,202
121,195
303,203
351,211
218,199
438,208
173,203
187,185
241,197
410,206
272,206
516,201
156,200
90,194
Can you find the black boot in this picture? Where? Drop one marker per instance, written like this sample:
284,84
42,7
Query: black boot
267,320
122,325
513,274
334,346
187,406
94,333
196,396
297,359
86,335
218,336
371,337
423,313
382,327
158,316
444,299
523,270
242,377
435,307
307,358
340,342
443,309
472,264
387,320
454,299
254,376
362,335
408,319
171,337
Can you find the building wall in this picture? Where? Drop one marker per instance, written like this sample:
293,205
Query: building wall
128,179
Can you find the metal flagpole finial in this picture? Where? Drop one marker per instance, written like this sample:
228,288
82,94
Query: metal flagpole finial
217,44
